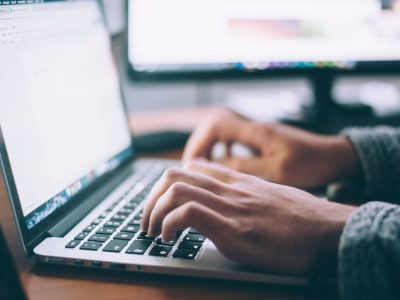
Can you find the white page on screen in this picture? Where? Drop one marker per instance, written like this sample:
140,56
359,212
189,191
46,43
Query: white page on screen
60,106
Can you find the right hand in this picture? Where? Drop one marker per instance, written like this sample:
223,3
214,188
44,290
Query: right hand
283,154
251,221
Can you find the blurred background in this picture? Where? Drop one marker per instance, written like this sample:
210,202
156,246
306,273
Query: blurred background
332,64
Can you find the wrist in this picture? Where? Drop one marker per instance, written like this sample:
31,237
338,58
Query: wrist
342,159
328,238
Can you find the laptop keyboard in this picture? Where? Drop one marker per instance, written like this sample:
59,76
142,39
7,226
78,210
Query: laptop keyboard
117,229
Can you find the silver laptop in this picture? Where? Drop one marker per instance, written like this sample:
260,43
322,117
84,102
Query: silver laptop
68,157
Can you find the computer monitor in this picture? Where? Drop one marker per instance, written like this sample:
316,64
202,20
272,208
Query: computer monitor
243,38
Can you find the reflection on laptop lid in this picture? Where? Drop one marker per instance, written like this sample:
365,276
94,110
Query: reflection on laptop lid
63,124
10,284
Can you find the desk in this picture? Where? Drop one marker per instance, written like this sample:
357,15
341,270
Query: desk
58,282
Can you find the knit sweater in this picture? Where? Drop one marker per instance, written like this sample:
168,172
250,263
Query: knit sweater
369,251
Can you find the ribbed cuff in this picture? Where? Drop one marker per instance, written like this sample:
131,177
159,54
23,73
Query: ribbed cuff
379,152
369,250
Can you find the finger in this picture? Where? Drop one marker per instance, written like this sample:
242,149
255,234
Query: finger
172,176
211,169
179,194
194,214
226,130
260,167
228,148
201,142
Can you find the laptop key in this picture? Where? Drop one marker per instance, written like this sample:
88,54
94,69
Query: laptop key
106,230
113,224
134,201
104,215
127,236
97,221
93,246
115,246
190,245
131,205
160,242
81,236
72,244
88,228
131,228
192,230
99,238
160,251
144,236
125,211
134,222
185,254
118,217
192,237
139,247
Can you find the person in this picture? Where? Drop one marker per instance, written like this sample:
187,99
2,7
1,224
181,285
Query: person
260,201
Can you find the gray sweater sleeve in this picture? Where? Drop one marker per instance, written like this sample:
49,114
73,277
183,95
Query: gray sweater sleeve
369,253
379,152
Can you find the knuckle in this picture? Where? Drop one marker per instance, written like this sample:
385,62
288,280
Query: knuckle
211,124
191,165
190,210
172,174
177,189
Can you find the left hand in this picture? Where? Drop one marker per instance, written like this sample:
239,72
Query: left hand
251,221
282,154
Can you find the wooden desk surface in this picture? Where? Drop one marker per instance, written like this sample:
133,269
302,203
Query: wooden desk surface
57,282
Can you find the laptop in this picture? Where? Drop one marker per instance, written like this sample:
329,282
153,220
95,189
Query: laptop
68,158
10,283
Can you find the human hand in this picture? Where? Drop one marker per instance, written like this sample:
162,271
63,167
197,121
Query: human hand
283,154
251,221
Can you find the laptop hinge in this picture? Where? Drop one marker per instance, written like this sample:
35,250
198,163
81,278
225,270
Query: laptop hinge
81,211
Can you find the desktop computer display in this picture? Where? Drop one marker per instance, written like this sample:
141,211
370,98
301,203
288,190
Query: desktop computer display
218,36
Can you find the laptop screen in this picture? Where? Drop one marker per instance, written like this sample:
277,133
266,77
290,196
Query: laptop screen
61,112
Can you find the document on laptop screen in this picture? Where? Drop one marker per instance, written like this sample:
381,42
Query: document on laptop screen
61,112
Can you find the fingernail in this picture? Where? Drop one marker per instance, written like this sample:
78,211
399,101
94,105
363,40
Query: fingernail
165,239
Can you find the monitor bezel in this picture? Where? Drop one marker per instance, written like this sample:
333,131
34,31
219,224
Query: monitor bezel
32,237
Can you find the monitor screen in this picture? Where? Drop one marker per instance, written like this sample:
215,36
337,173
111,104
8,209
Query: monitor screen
61,113
251,35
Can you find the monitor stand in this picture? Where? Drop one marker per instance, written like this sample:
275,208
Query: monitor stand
321,114
325,107
325,115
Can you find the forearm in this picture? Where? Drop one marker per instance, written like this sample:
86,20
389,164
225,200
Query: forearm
378,150
369,253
